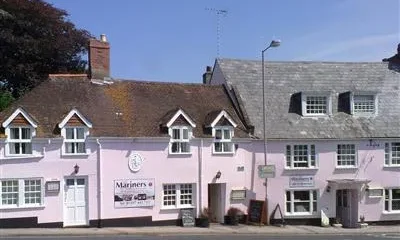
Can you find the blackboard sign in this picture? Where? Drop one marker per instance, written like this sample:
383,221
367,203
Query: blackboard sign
187,217
256,212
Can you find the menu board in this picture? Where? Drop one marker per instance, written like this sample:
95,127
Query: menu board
187,217
256,212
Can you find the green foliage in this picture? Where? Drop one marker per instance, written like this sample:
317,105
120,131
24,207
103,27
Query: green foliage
6,99
37,39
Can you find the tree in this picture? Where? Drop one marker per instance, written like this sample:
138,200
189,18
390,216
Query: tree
37,39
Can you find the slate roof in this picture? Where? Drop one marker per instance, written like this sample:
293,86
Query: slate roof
124,108
284,79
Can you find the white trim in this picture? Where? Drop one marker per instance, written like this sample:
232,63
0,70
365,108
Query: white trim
223,113
72,113
223,140
304,96
177,114
75,140
309,156
180,140
355,166
364,114
15,114
21,194
311,201
178,195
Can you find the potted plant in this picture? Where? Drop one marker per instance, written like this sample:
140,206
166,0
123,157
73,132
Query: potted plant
233,216
204,218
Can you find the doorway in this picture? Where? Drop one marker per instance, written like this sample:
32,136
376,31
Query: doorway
216,201
75,202
347,207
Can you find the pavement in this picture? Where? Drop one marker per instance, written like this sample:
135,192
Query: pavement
214,229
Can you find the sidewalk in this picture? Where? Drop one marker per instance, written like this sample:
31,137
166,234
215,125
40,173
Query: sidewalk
214,229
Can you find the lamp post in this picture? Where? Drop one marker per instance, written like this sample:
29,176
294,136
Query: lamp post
274,43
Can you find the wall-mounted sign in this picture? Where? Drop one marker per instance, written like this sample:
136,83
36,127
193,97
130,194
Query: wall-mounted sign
134,193
53,186
238,194
375,192
301,181
266,171
135,162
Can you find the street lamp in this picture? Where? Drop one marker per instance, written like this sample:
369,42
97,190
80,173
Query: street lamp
274,43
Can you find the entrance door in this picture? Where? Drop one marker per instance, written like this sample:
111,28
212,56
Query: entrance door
75,202
216,201
347,207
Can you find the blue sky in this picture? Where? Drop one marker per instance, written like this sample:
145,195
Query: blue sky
174,40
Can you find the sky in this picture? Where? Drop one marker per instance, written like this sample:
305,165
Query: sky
174,40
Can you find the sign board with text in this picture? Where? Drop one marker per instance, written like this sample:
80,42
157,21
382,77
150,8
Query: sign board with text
134,193
301,181
266,171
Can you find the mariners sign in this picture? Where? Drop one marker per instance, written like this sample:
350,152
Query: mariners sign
134,193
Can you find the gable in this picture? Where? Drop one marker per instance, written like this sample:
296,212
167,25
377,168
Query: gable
180,121
223,122
75,121
20,120
75,118
181,114
19,116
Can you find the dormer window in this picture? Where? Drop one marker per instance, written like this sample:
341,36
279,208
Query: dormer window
364,104
20,129
20,140
75,140
180,136
223,131
75,130
223,139
180,127
316,104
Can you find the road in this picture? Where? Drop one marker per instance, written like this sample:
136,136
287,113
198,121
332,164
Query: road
214,237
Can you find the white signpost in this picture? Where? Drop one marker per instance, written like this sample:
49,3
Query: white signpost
134,193
266,171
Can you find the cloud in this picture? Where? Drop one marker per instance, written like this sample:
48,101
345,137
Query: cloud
357,44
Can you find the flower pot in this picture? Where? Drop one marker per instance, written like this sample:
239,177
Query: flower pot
202,222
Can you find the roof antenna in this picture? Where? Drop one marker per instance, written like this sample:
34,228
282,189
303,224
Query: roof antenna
219,13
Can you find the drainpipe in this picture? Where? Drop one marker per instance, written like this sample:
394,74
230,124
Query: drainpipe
99,185
200,153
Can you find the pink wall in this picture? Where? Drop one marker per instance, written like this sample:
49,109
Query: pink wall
370,166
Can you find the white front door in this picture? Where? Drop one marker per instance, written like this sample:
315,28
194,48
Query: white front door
75,201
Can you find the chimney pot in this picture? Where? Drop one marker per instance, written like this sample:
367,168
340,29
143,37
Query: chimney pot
207,75
103,38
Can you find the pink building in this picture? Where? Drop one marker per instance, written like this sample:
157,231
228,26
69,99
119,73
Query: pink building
333,136
79,151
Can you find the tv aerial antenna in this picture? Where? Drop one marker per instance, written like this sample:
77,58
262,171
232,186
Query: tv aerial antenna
219,13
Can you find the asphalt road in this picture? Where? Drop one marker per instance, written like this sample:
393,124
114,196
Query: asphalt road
214,237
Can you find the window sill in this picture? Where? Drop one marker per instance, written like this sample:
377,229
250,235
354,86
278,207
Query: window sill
391,166
223,153
181,154
22,207
346,168
26,156
176,208
302,214
297,169
74,155
390,213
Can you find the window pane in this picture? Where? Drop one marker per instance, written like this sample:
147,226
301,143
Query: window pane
26,148
26,133
14,133
81,147
70,182
395,153
301,207
185,147
228,147
70,133
227,134
175,147
80,132
80,181
218,147
387,152
185,134
312,156
9,192
32,194
288,207
300,156
316,105
396,194
14,148
186,194
176,134
364,104
301,195
346,155
288,156
169,195
69,147
218,134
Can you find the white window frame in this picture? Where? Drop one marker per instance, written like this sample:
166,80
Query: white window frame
304,98
179,187
10,141
292,201
355,156
389,199
223,139
21,194
75,140
389,155
181,140
290,156
354,100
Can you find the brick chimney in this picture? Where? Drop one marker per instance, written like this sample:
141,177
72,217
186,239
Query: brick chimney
99,58
207,75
